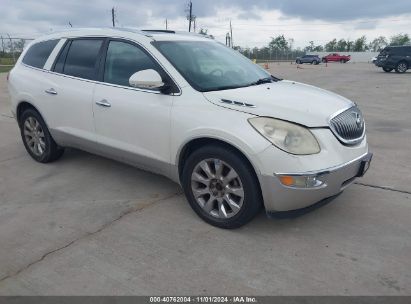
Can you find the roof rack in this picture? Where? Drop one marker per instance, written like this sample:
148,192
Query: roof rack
159,31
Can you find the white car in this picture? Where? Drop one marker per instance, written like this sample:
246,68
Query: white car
185,106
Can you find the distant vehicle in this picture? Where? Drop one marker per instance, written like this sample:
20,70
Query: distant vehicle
335,57
313,59
395,57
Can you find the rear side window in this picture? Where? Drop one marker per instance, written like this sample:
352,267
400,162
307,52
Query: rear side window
81,58
38,53
123,60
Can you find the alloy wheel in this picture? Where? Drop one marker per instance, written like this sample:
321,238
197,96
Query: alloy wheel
34,136
217,188
402,67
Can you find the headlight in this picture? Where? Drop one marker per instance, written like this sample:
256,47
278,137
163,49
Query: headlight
287,136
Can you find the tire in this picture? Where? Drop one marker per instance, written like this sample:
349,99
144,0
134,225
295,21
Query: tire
210,201
401,67
343,61
316,62
387,70
37,139
298,61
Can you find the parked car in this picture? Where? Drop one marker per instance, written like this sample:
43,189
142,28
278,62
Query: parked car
187,107
335,57
313,59
395,57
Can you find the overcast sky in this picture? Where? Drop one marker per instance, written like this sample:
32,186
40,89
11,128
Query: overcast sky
254,21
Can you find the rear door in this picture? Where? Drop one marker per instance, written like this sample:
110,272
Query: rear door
70,92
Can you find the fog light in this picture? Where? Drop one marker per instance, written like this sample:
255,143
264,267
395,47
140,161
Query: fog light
301,181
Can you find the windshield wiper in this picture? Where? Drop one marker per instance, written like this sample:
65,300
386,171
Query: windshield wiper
262,81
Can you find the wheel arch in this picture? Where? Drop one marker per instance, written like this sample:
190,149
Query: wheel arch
24,105
196,143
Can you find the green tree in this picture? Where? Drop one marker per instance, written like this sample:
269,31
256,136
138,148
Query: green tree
378,44
278,43
331,46
400,39
360,45
341,45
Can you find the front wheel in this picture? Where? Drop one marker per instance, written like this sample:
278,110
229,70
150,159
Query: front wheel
387,70
37,139
401,67
221,187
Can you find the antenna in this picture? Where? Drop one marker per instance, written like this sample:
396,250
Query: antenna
113,16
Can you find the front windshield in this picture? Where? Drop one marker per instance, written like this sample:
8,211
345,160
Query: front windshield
211,66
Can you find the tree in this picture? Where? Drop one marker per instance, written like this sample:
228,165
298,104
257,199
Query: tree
350,45
278,43
360,45
378,44
331,46
341,45
400,39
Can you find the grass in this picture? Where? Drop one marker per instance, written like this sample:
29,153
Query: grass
6,61
5,69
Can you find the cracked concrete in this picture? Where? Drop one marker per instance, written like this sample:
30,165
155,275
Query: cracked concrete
86,225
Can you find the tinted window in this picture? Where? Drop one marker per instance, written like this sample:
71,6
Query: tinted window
81,60
38,53
123,60
59,64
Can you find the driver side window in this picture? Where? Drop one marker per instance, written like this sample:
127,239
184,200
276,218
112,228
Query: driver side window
123,60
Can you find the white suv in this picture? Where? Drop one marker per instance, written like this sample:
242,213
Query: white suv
185,106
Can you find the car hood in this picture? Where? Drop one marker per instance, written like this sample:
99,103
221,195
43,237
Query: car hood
286,100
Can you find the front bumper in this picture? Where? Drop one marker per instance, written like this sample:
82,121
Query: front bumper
278,197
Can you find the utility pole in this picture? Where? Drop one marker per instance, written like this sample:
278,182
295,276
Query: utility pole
113,16
12,49
190,16
194,20
228,40
231,35
70,24
166,24
2,44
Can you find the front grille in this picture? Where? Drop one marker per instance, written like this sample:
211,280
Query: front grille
348,126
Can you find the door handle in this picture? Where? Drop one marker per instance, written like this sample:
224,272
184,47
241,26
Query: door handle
103,103
51,91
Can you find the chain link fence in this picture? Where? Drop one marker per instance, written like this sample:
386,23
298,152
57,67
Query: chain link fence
10,50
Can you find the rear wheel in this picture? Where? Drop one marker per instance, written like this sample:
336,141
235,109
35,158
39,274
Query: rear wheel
220,187
298,61
37,139
401,67
343,61
387,69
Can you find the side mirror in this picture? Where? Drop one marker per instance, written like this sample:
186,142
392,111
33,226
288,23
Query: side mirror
146,79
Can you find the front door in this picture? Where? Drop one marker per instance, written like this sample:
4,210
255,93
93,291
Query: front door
131,124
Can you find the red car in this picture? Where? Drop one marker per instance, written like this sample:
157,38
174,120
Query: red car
336,58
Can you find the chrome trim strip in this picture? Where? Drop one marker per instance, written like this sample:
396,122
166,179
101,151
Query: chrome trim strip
324,171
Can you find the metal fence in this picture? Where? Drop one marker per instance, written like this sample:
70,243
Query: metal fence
11,48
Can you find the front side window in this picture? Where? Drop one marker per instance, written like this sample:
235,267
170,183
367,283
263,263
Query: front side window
38,53
210,66
123,60
82,57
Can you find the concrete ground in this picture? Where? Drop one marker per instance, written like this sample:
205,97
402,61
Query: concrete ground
86,225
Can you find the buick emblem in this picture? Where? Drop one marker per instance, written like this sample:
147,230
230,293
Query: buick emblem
358,119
